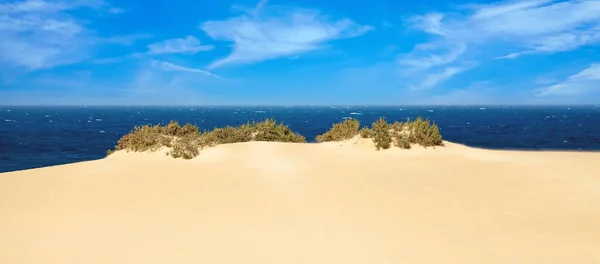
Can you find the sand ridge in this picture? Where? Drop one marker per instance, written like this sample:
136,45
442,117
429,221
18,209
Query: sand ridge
265,202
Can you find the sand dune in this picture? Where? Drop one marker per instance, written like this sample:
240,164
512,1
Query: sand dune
262,202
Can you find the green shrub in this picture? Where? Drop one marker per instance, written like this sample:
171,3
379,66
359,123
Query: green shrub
397,127
174,129
230,134
381,137
186,142
269,130
424,133
402,140
366,132
341,131
186,147
144,138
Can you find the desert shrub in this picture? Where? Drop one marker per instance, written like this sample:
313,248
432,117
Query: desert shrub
143,138
401,140
172,128
188,129
230,134
381,137
341,131
269,130
186,142
366,132
424,133
186,147
397,127
207,139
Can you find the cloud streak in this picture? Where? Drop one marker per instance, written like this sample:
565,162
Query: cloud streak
187,45
528,27
278,33
585,81
429,55
38,34
432,79
167,66
538,26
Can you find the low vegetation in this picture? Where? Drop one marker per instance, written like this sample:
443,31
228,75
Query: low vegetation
381,134
186,141
341,131
418,132
366,132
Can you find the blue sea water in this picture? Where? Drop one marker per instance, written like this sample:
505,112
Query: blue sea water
32,137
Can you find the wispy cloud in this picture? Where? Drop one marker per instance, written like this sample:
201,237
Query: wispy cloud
167,66
126,40
430,80
48,6
187,45
39,34
278,32
433,63
585,81
528,27
538,26
425,56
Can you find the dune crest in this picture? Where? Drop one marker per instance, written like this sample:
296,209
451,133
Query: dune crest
333,202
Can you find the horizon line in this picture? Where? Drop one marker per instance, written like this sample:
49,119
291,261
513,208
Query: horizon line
283,105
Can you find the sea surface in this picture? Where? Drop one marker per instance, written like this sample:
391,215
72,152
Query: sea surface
32,137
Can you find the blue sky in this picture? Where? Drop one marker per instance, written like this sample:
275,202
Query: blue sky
291,52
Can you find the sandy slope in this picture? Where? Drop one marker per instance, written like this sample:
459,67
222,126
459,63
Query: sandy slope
281,203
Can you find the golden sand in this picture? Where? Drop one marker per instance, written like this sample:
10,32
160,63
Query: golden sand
278,203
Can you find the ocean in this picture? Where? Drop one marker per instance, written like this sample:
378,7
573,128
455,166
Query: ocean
32,137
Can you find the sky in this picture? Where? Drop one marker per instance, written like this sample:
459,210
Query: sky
292,52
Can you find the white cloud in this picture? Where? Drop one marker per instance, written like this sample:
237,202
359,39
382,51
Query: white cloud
425,56
39,34
587,80
540,26
281,33
167,66
433,63
187,45
432,79
35,6
529,27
